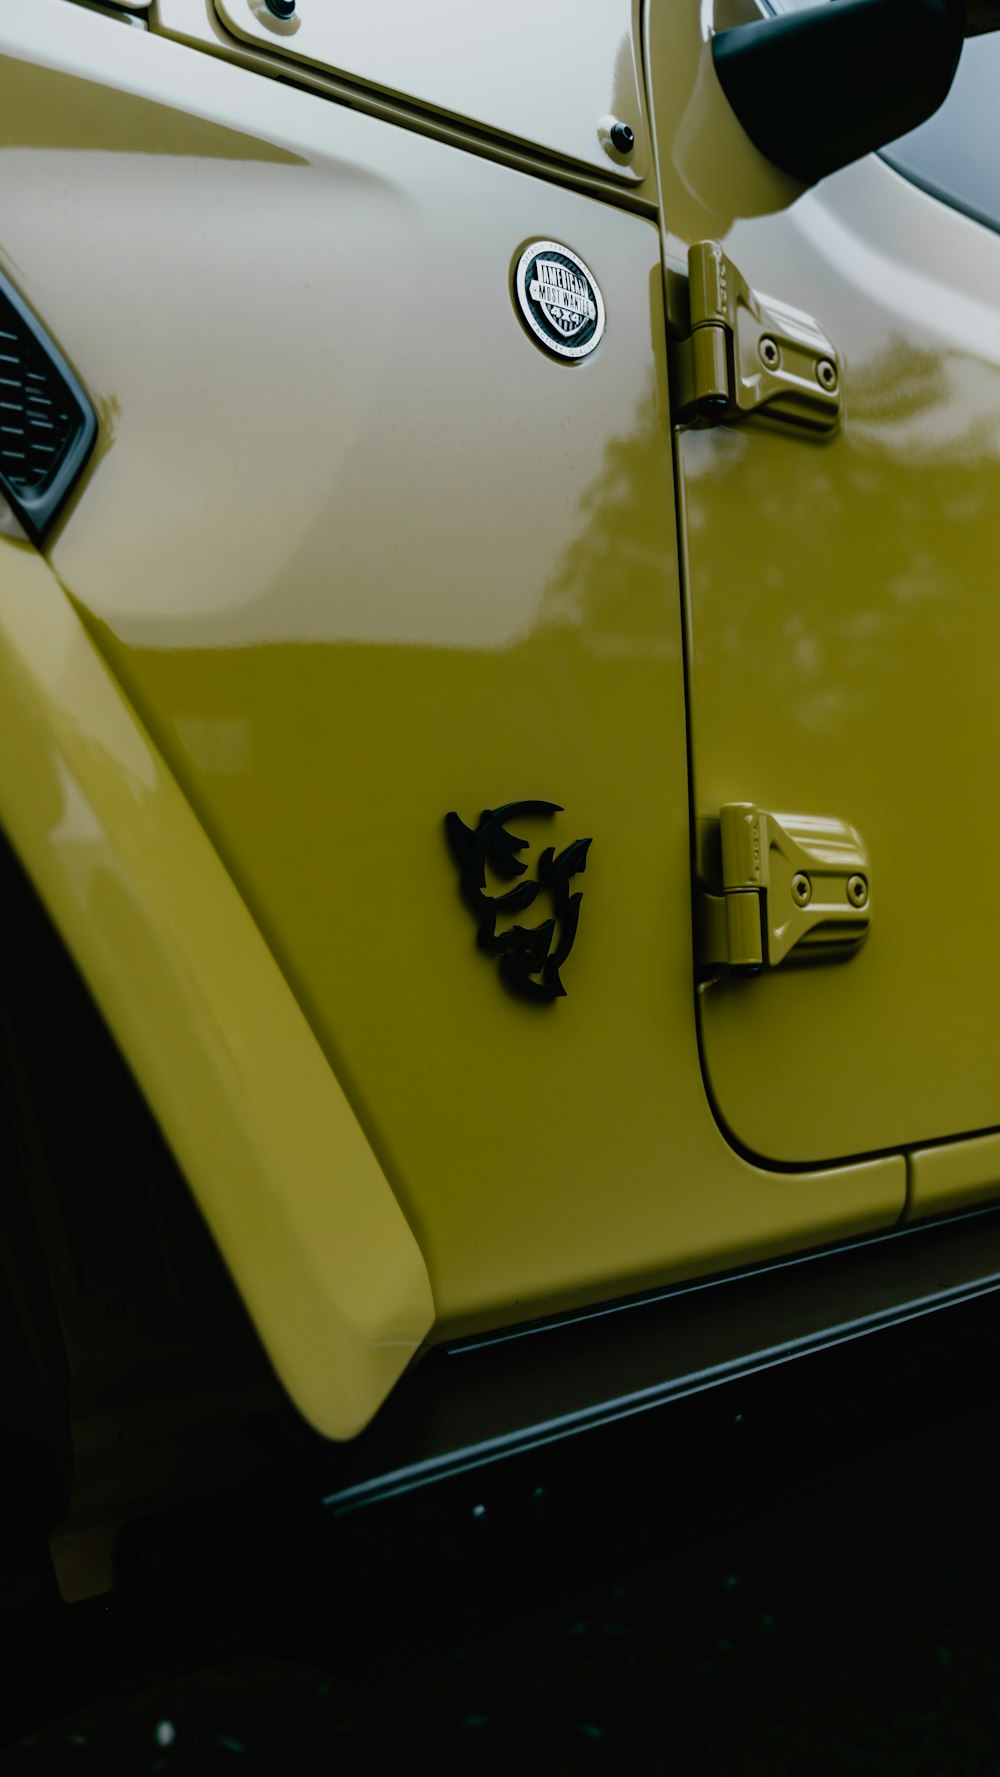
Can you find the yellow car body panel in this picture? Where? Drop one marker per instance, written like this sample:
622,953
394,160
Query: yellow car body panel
540,75
357,554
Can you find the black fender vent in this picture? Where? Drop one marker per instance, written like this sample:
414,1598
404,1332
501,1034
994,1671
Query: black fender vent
47,425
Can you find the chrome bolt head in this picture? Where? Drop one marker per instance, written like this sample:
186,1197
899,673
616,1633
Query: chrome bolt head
857,891
826,375
802,889
770,356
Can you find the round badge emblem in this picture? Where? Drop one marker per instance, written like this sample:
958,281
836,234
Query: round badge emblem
559,299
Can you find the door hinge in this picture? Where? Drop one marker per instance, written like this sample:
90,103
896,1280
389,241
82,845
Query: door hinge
790,884
742,353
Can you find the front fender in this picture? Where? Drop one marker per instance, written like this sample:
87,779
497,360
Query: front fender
284,1175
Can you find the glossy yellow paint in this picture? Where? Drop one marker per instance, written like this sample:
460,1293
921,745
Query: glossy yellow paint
954,1175
545,75
314,1237
359,554
844,631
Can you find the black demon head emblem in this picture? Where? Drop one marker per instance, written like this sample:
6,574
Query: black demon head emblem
530,956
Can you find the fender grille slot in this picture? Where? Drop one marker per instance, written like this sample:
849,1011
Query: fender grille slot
47,425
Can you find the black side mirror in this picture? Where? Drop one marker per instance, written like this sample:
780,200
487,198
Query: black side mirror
815,90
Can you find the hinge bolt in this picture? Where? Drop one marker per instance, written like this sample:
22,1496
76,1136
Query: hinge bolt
622,137
857,891
770,356
826,375
802,889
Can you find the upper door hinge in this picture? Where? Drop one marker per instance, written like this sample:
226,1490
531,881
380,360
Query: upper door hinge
789,883
743,353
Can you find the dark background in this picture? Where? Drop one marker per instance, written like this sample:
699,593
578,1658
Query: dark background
853,1626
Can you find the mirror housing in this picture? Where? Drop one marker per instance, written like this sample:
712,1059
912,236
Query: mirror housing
815,90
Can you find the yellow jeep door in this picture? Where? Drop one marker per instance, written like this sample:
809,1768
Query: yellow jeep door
843,625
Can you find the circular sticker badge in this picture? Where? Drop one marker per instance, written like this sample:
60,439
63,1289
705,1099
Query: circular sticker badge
559,299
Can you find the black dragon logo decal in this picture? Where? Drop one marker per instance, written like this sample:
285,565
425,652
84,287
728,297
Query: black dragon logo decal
530,956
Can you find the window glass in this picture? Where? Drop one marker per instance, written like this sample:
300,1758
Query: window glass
955,155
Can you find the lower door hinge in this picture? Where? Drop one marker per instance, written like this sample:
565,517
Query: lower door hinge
742,353
790,884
